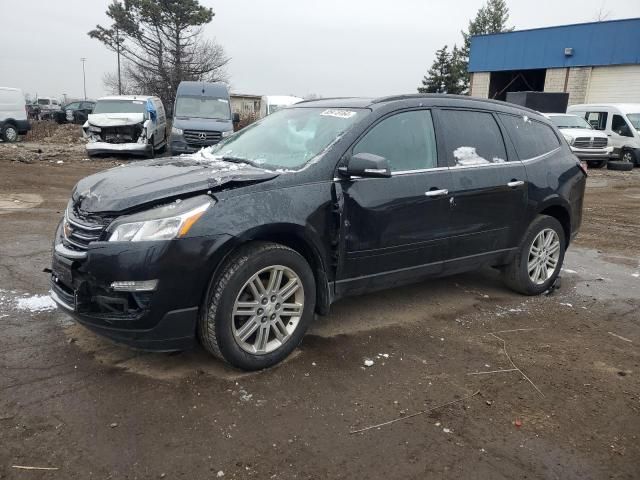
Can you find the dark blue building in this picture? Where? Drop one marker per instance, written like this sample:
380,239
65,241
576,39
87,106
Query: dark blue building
593,62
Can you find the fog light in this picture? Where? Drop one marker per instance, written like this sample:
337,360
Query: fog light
133,286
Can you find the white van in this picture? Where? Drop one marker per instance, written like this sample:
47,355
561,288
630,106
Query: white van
272,103
131,124
621,123
13,114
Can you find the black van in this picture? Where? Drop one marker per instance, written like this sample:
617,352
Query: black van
239,245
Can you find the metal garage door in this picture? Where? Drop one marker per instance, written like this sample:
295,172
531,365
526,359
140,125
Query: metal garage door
614,84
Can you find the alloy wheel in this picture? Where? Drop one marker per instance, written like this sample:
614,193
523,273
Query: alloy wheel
11,134
627,157
268,309
544,255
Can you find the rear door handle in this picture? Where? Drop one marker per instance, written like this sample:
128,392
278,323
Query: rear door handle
515,183
437,193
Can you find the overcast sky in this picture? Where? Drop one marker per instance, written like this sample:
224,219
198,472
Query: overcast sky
298,47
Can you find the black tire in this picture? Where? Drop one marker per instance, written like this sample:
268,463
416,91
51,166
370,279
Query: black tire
215,325
516,274
620,165
596,163
9,133
628,155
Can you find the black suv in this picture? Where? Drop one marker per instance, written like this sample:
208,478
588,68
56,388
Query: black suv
240,244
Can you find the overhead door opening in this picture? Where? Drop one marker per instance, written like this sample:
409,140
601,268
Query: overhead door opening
516,81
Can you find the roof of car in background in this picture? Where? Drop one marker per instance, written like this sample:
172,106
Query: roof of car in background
126,97
434,99
219,90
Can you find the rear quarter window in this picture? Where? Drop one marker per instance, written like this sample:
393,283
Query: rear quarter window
530,137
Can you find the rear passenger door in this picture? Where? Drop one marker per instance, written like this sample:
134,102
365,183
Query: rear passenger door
489,187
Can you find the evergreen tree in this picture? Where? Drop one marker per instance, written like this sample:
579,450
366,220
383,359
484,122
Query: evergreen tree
491,18
439,76
162,43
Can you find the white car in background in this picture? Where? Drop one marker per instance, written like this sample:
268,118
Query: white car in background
131,124
621,123
587,144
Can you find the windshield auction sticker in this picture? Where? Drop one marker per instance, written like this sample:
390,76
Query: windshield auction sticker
338,113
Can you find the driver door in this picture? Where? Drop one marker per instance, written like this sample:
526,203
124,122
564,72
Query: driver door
395,229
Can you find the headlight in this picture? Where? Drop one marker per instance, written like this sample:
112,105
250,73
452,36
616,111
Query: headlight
162,223
177,131
226,134
569,140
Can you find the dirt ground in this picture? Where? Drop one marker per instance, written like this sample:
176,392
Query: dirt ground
86,408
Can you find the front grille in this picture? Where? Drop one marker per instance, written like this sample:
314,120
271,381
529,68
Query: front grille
121,134
588,142
80,231
202,137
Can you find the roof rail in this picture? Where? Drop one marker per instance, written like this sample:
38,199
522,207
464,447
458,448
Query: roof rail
410,96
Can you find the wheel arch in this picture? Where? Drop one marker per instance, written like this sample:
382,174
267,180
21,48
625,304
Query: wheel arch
555,209
296,238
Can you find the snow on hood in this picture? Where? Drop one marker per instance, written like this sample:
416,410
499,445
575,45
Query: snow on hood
115,119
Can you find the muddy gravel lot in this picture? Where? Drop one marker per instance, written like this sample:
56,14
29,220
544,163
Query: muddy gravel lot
567,405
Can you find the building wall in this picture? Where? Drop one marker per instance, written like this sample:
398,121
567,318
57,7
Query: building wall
480,84
554,79
578,84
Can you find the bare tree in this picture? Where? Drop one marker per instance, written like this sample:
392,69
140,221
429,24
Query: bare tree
602,14
110,83
163,44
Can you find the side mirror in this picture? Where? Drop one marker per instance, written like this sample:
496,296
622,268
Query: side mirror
367,165
236,117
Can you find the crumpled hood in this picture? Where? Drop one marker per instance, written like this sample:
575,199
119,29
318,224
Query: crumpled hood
137,184
115,119
582,132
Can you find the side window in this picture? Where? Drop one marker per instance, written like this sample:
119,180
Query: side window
407,140
597,120
472,138
87,106
619,126
531,138
73,106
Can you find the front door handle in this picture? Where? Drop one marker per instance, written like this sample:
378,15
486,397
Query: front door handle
515,183
437,193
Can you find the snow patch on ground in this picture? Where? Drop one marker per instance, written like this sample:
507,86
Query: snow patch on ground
36,303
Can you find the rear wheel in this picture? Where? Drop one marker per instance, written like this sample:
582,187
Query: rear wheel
9,133
628,155
539,257
259,306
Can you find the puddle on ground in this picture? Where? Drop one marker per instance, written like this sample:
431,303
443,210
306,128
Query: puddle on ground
604,277
10,202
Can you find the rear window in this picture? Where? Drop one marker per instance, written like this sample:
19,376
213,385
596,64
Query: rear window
473,138
530,137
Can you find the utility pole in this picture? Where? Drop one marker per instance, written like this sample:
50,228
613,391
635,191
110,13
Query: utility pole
118,41
84,78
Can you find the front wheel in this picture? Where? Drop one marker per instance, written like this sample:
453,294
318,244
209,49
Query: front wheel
259,306
539,257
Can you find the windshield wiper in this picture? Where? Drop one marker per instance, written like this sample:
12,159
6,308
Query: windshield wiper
231,159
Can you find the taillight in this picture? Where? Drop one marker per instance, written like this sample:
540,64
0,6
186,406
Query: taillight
583,167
